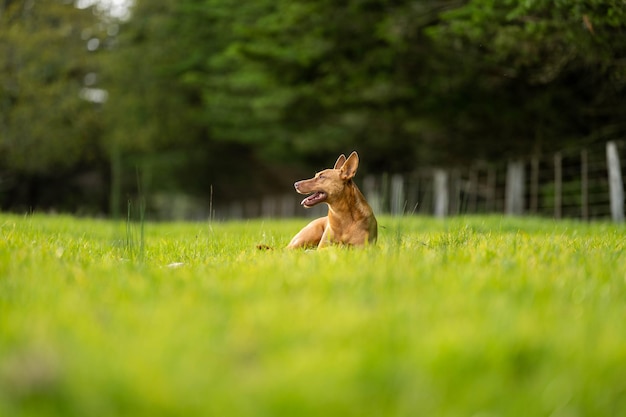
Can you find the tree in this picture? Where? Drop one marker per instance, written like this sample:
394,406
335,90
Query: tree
296,79
175,111
538,74
46,128
45,123
197,88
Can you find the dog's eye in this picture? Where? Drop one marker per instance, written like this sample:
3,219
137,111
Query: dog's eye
321,176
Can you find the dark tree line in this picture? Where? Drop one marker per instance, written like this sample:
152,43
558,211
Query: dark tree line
188,96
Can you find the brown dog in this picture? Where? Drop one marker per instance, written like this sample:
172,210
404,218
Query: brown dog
350,219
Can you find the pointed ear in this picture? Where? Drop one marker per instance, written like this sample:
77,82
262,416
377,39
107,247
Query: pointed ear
348,170
340,161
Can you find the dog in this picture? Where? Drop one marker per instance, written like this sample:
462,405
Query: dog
350,219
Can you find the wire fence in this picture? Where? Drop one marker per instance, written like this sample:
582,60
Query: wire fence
579,184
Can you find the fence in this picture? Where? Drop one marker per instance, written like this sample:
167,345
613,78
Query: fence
584,184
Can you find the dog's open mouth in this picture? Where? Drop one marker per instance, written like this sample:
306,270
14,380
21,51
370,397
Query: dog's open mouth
313,199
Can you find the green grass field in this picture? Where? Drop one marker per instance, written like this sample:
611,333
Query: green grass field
479,316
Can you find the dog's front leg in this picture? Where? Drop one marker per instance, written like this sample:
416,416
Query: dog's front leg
327,237
310,235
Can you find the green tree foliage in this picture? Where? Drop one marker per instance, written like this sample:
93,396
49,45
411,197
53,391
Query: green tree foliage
436,81
150,108
177,110
217,92
300,79
536,74
45,125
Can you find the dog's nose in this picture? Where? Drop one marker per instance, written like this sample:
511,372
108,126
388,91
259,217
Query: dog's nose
296,184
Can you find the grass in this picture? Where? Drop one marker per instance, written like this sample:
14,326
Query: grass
478,316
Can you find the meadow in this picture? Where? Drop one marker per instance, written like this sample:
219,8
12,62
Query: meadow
470,316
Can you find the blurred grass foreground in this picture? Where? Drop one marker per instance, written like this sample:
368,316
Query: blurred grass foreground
479,316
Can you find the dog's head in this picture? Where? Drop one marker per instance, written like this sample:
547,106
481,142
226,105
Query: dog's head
328,184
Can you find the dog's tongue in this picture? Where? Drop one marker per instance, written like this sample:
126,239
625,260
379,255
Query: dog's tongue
310,200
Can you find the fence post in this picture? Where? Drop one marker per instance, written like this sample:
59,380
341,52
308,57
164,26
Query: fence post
235,211
514,204
268,207
372,194
455,192
584,184
384,193
288,205
440,182
472,191
534,184
397,195
616,185
558,185
491,186
413,192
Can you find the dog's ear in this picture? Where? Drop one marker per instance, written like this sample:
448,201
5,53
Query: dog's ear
340,161
348,169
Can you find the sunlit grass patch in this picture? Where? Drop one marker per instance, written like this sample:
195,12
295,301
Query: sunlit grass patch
467,316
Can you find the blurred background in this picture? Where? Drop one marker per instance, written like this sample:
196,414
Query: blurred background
215,107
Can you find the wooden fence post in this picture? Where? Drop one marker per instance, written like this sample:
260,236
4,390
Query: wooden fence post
491,187
514,203
440,182
268,207
372,193
384,193
288,205
534,184
454,186
584,184
558,185
397,195
616,185
412,193
472,191
235,211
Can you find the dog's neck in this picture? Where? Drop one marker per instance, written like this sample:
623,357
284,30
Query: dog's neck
351,206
